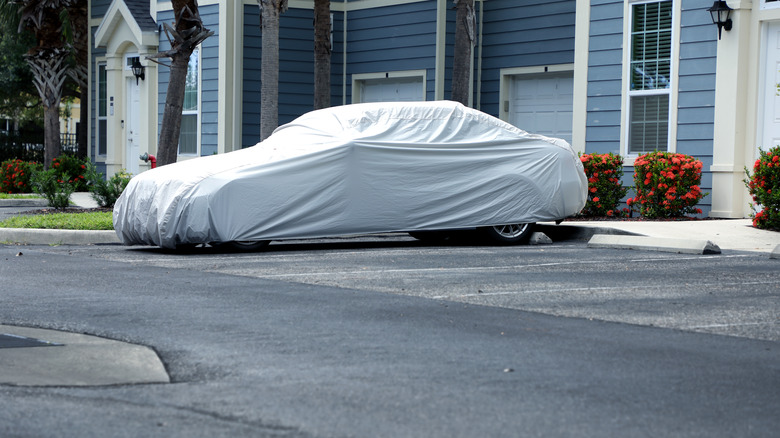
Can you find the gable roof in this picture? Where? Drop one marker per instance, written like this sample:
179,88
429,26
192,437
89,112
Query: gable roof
140,11
135,15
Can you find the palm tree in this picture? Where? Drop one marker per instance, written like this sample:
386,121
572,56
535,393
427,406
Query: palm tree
465,38
78,20
48,60
321,54
184,37
270,10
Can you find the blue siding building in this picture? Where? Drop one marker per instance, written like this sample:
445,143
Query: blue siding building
622,76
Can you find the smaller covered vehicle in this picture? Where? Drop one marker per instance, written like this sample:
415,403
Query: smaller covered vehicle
355,169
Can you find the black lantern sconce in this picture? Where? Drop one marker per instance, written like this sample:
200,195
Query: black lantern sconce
138,70
721,13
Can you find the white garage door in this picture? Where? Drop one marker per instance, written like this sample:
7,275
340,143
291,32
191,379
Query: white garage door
542,104
392,90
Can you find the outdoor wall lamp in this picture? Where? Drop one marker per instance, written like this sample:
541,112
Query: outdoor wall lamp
721,13
138,70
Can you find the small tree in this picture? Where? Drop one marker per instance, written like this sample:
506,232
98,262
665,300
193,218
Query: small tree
184,37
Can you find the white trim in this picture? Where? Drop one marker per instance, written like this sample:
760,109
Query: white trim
581,54
772,5
359,78
627,94
230,78
441,46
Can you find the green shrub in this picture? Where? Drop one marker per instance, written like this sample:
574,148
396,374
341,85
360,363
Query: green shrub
666,185
604,172
106,192
50,185
72,169
764,187
15,176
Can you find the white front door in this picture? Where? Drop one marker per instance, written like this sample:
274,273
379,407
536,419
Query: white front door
133,142
770,135
542,104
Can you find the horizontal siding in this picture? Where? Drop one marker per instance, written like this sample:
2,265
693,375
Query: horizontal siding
209,82
605,71
695,83
523,33
253,43
696,88
209,78
296,69
392,38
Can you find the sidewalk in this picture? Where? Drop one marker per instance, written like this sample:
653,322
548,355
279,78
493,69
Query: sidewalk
728,234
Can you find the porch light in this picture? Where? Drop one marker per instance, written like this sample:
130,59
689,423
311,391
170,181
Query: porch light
138,70
721,13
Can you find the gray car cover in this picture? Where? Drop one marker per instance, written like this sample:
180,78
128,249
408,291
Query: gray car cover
354,169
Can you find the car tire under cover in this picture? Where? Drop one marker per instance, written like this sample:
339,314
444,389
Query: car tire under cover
242,245
431,236
510,234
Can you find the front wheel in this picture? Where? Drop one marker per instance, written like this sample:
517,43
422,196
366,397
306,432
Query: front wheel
511,234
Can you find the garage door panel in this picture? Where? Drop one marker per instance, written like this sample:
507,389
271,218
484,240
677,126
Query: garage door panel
392,90
542,104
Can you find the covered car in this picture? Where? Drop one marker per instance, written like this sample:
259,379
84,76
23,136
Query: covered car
356,169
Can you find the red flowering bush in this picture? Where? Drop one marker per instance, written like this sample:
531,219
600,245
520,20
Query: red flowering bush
666,185
604,172
15,176
71,169
764,187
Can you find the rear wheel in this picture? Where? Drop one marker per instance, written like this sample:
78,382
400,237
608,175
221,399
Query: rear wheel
511,234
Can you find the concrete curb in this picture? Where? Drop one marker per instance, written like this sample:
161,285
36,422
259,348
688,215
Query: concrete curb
775,253
36,236
31,202
560,233
77,360
681,246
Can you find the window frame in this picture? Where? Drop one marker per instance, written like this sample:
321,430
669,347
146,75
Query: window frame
770,4
101,147
197,111
629,94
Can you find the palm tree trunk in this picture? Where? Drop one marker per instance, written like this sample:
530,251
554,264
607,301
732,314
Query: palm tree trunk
464,41
322,52
270,10
168,148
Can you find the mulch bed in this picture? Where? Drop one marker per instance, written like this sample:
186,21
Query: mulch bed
66,210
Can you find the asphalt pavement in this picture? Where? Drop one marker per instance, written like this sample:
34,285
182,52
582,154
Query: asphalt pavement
630,366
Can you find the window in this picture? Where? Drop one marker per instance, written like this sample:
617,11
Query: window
102,105
650,76
188,138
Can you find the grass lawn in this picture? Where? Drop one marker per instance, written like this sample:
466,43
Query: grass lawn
64,221
18,196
